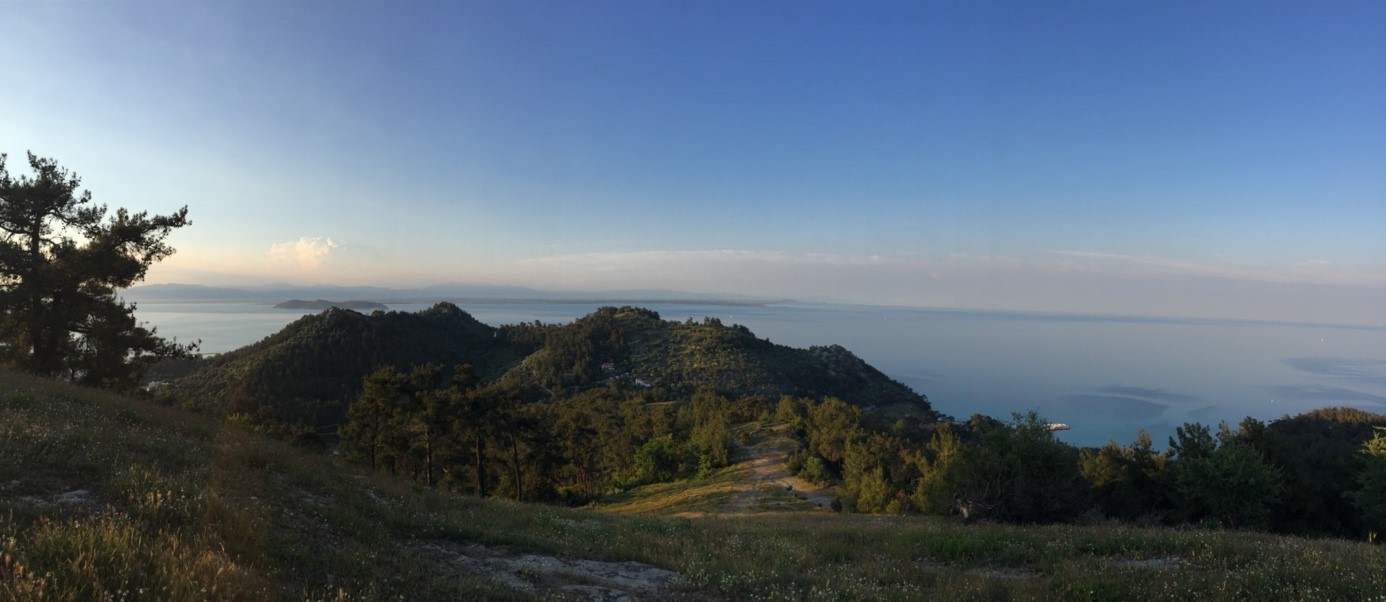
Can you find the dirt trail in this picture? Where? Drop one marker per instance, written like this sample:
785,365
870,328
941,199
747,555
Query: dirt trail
762,483
769,485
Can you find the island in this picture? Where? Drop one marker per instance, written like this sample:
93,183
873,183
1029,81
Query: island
321,304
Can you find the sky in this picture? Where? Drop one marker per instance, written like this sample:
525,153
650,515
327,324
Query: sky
1222,159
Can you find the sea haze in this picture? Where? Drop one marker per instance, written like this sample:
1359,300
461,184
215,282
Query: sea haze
1106,377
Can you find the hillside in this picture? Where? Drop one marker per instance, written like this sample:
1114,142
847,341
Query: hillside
309,372
635,348
106,497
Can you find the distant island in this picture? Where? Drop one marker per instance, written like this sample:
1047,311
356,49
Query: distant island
321,304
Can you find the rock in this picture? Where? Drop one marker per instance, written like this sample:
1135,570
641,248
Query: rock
76,496
593,580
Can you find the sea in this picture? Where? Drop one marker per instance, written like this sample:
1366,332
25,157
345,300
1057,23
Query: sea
1105,377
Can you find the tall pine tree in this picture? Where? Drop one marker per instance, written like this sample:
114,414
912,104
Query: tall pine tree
62,262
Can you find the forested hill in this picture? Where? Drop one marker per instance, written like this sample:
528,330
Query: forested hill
635,348
309,372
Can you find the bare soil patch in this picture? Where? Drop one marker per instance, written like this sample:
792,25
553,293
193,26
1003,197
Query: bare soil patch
550,576
769,484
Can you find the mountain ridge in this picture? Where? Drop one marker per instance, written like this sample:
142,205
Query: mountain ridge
312,369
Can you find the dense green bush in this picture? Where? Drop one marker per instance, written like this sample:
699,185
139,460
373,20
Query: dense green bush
1370,494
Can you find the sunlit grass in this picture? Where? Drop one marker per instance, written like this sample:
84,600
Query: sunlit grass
102,496
731,489
712,494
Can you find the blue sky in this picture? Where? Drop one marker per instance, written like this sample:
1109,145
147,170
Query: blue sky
1184,158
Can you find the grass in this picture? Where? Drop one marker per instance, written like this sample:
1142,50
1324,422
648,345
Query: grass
107,497
695,497
731,489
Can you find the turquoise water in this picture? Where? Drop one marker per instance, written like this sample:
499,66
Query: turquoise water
1104,376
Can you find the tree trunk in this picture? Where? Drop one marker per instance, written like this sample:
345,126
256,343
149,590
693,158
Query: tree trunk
480,464
428,457
515,463
38,358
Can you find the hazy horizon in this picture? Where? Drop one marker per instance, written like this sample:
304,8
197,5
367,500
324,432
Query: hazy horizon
1179,159
1107,376
480,292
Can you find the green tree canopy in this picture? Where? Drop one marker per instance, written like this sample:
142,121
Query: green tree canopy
1370,495
62,261
1224,480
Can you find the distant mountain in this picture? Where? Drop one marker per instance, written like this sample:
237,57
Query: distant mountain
311,370
189,292
322,304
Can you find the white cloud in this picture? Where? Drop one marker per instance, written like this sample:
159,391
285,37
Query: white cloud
820,276
305,254
1061,281
308,260
1220,266
1078,281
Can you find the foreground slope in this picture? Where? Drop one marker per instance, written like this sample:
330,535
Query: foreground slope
107,497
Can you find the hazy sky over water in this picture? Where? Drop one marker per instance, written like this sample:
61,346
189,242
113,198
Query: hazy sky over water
1183,158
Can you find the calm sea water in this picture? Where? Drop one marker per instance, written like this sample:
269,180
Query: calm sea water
1104,376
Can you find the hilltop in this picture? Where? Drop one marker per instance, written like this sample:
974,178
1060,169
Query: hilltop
312,369
309,371
635,347
105,496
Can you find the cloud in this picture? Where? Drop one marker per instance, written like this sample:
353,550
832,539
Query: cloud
308,260
769,267
1078,282
1311,271
305,254
761,270
1081,283
823,276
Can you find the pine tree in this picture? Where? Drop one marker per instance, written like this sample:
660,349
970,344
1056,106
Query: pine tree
62,262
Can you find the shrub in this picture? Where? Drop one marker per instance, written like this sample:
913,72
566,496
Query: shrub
1020,473
813,470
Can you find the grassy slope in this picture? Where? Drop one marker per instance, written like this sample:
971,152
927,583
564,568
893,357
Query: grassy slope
735,489
189,509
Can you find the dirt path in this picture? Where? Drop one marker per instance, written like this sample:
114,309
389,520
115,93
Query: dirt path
756,481
769,486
